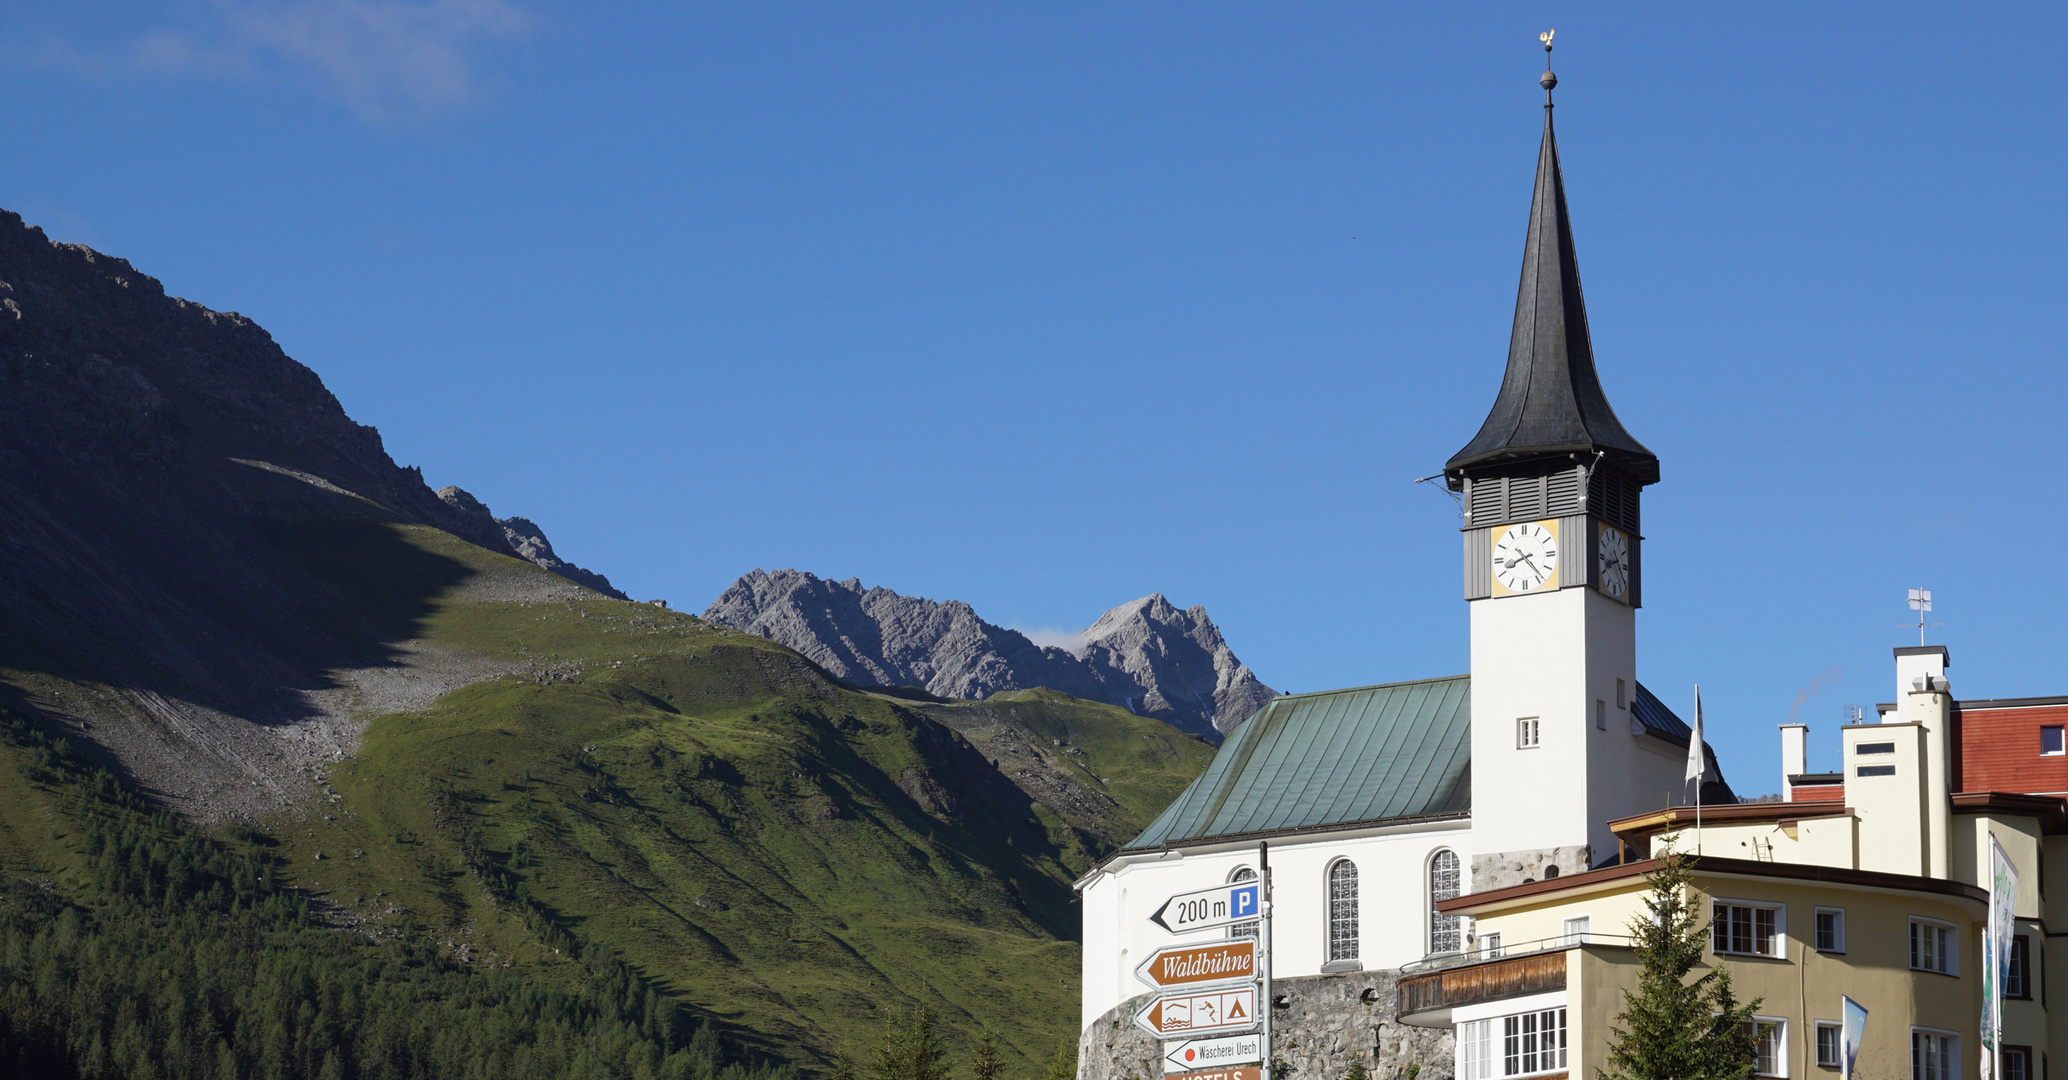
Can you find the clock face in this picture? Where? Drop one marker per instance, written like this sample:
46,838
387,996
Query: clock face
1526,556
1613,563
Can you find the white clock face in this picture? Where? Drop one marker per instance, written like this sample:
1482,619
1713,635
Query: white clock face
1525,557
1613,564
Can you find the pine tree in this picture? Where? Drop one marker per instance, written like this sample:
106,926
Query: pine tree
1357,1071
1063,1066
911,1048
1674,1029
985,1065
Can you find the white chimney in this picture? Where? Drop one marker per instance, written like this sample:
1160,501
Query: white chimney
1794,757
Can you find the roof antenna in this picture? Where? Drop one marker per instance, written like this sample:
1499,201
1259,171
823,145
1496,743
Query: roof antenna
1549,80
1921,602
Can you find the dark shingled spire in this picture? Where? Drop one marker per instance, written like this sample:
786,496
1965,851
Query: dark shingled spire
1551,401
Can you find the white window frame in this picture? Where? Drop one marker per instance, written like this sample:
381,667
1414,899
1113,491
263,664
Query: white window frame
1490,945
1817,930
1952,1053
1482,1041
1780,1026
2020,1051
1949,952
1780,938
2043,751
1837,1031
1529,732
1567,935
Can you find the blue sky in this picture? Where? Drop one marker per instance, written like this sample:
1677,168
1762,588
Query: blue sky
1046,307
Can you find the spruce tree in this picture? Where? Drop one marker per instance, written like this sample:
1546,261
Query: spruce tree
911,1048
1357,1071
1063,1066
985,1065
1673,1028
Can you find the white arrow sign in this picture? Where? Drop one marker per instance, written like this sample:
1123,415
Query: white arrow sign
1200,1012
1212,1053
1218,906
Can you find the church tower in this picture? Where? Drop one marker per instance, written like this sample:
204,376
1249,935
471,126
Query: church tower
1553,573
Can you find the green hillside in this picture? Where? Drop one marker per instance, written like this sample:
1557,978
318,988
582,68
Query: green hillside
777,853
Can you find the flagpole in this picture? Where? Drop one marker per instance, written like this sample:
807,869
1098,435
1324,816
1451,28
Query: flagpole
1697,765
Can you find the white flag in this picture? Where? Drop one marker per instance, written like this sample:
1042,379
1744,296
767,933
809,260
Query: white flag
1696,763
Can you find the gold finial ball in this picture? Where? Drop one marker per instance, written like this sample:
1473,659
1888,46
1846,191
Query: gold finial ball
1548,81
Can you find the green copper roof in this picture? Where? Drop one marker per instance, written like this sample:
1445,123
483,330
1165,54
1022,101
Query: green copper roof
1399,751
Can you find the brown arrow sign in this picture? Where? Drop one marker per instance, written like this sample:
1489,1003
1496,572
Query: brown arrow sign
1217,1011
1196,965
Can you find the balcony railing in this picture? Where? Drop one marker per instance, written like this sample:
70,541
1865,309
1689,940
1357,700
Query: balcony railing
1454,979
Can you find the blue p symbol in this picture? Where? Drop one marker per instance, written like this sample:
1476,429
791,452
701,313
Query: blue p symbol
1243,901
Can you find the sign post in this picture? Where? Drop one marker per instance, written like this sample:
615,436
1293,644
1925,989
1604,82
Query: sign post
1264,946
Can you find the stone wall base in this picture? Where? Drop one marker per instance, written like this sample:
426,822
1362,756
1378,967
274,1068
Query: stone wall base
1321,1024
1521,867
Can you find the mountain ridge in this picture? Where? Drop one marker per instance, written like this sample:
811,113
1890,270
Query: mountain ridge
1147,655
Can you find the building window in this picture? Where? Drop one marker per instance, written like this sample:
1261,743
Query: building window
1445,881
1932,947
1342,911
1527,733
1875,748
1243,930
1746,929
1827,1043
1621,701
1769,1046
1831,929
2017,1063
1934,1056
1600,715
1521,1045
1490,945
2018,983
1875,770
2050,743
1576,929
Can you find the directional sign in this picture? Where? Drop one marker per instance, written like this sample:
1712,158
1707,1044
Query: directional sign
1209,1053
1218,906
1200,1012
1197,965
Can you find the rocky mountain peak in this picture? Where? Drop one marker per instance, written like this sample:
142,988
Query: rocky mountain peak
520,537
1145,655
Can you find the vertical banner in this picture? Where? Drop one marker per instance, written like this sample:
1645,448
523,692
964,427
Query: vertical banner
1996,954
1852,1027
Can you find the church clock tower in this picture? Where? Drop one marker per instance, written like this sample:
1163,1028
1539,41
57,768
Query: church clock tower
1554,575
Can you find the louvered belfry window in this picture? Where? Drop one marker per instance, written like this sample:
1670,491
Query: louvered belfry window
1444,931
1342,911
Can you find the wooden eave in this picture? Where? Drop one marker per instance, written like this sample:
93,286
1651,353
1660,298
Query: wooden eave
1714,865
2051,810
1639,826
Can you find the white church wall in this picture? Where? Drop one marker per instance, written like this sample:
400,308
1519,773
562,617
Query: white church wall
1393,902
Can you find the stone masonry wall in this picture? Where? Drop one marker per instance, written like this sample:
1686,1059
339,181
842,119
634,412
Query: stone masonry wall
1491,872
1319,1025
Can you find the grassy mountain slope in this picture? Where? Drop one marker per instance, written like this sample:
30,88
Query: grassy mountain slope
780,852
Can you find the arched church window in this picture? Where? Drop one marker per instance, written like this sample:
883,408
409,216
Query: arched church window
1445,932
1342,911
1241,930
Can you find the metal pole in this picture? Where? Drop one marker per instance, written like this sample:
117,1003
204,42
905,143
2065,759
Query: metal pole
1264,948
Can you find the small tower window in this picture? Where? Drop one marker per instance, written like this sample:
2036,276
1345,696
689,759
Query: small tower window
1445,934
1600,715
1527,733
1342,911
1622,702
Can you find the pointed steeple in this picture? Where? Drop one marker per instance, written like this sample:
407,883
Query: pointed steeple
1551,402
